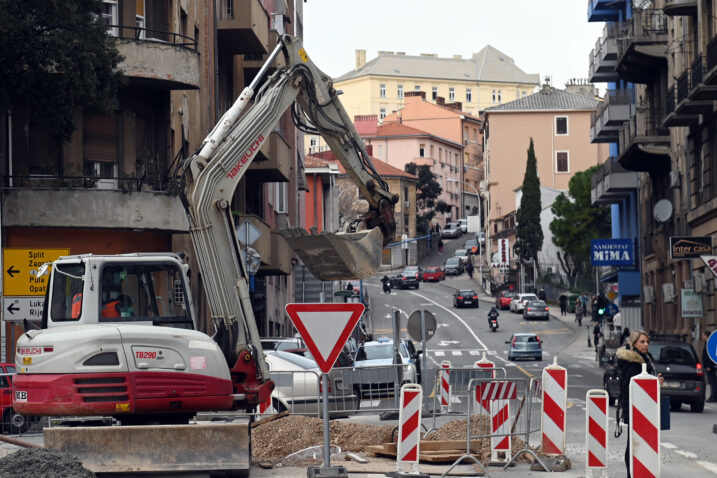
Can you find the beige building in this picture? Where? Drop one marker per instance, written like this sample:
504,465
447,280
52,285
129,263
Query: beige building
558,121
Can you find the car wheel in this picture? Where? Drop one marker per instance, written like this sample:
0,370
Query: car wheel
416,286
539,359
697,407
510,357
15,423
675,405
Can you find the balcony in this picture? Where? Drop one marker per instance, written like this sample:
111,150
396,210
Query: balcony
603,58
710,76
675,8
672,117
62,202
273,163
642,49
608,119
158,59
243,26
644,144
253,62
604,10
611,183
701,94
280,259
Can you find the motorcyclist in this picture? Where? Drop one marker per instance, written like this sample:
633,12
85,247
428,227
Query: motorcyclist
386,284
493,314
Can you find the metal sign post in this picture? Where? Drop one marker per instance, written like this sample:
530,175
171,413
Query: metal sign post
325,406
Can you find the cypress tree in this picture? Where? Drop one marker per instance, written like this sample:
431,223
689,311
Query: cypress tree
529,233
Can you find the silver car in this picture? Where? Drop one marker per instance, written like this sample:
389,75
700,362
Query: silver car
519,300
297,388
536,309
525,345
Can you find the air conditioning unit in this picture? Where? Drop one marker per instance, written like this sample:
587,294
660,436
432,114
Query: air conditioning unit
406,204
675,179
648,294
668,292
700,282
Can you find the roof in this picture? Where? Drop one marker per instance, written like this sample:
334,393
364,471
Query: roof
325,158
399,129
548,99
488,65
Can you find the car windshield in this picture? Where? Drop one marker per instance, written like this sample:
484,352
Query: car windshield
460,253
470,243
672,354
433,269
508,295
466,292
537,304
453,261
375,351
296,359
409,270
525,338
528,297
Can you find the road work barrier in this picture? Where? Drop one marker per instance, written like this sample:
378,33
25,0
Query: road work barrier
596,432
554,417
409,427
445,386
512,413
644,433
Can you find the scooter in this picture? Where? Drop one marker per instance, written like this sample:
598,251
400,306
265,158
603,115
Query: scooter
493,324
387,287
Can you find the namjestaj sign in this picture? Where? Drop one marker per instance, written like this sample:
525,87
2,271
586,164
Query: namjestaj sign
612,252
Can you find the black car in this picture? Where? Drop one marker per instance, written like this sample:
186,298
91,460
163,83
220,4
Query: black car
471,245
679,366
453,266
404,280
465,297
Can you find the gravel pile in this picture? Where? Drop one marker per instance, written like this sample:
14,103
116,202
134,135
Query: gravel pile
38,462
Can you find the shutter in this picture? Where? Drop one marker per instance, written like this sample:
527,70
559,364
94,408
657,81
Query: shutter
100,138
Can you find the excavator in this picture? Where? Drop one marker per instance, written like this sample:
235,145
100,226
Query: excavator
119,333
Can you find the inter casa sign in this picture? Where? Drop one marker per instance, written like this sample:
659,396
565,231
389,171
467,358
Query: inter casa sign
689,247
612,252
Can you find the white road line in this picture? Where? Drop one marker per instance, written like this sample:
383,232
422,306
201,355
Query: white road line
474,352
686,454
439,353
454,315
669,446
456,352
708,465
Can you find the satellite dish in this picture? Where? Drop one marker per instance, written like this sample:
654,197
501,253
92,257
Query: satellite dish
662,210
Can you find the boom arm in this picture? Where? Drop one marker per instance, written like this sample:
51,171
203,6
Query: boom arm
212,175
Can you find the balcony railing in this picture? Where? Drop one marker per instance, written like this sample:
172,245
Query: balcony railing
161,36
87,182
683,86
670,100
712,54
697,69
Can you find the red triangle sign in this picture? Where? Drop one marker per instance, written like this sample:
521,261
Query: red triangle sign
325,328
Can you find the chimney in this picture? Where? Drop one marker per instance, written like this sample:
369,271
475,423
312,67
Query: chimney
546,86
366,125
440,100
411,94
581,86
360,58
456,105
457,57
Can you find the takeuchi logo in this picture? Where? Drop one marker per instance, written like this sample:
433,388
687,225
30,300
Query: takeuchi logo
253,148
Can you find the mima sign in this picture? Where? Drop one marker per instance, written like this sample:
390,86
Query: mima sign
612,252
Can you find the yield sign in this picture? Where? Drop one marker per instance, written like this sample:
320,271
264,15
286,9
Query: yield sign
325,328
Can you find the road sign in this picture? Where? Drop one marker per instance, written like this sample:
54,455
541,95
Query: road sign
414,325
247,233
712,346
16,309
20,268
325,328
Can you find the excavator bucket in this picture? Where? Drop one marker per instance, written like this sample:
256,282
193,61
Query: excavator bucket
337,256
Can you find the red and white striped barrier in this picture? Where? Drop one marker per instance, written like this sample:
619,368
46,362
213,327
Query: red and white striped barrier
553,417
500,441
596,430
266,408
409,426
487,364
644,425
445,386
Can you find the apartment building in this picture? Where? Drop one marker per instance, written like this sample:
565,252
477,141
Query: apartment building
558,121
665,52
109,190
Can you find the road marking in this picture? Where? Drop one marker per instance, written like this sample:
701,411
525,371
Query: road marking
708,465
424,305
555,332
474,352
439,353
524,371
669,446
456,353
686,454
446,343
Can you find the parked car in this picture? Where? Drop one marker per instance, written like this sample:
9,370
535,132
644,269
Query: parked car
452,230
405,279
465,297
471,245
433,274
463,224
502,301
679,366
525,345
517,304
536,309
453,266
297,388
12,422
379,353
463,254
281,343
417,270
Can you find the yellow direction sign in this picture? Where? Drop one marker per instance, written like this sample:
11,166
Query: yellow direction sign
20,268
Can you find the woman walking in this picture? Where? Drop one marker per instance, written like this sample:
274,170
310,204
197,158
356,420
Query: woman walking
629,363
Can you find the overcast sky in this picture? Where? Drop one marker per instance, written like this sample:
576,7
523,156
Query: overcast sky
548,37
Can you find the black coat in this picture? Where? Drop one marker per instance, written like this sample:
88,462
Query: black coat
629,364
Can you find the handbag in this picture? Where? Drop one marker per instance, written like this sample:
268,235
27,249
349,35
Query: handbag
664,413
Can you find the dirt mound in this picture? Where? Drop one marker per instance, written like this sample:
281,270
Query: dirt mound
35,462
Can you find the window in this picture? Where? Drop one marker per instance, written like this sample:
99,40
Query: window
562,165
100,149
469,95
140,23
379,151
432,152
417,88
110,14
493,96
382,90
400,91
561,125
281,193
422,151
434,92
382,114
500,96
451,94
66,298
524,94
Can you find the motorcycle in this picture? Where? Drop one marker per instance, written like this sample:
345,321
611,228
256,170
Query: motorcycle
493,324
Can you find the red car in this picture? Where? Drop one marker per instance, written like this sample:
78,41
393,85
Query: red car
503,300
12,422
433,274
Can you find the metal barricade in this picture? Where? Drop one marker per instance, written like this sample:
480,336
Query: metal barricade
519,395
377,388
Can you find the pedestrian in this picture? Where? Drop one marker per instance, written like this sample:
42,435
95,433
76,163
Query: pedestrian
709,367
629,363
440,245
579,311
563,299
469,268
594,308
541,294
596,336
625,334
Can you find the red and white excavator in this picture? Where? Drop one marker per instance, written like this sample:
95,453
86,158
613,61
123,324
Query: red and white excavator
118,334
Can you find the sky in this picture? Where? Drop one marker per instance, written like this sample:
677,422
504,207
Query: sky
548,37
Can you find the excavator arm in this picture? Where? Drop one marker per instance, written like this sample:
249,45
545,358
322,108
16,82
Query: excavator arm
210,177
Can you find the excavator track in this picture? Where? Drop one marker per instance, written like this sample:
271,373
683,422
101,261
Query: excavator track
337,256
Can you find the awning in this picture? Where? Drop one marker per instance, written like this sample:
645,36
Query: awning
610,276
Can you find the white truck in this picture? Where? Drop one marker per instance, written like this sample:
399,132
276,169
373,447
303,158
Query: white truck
119,336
